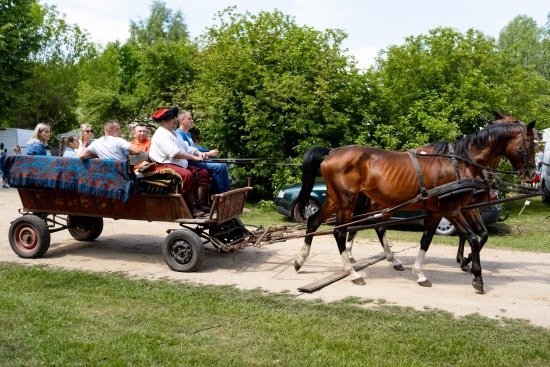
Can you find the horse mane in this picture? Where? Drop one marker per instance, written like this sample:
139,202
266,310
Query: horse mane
484,137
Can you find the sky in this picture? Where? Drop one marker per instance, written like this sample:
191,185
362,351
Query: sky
371,25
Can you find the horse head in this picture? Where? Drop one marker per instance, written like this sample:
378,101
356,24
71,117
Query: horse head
520,150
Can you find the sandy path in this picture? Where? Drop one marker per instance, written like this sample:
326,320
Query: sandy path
517,284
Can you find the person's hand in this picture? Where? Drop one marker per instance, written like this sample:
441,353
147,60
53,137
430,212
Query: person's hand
213,153
200,156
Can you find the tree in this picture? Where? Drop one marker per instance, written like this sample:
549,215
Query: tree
50,94
440,86
268,88
19,38
129,81
527,43
162,25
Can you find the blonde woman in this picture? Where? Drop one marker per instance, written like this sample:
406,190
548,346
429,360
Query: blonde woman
86,136
38,144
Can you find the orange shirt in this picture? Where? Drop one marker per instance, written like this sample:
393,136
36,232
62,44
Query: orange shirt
143,146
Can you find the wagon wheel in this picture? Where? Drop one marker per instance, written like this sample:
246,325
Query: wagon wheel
85,228
228,231
183,251
29,237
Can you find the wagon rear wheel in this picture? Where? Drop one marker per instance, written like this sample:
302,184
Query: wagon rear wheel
183,251
29,237
85,228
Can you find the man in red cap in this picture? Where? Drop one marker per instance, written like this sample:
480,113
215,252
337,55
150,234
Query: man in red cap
169,150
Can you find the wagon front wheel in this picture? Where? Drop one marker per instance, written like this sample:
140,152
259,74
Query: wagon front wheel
29,237
85,228
183,251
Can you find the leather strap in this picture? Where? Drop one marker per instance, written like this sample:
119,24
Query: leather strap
412,155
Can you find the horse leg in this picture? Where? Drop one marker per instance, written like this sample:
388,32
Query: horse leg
460,253
340,236
429,230
479,228
458,220
361,206
313,223
381,233
349,246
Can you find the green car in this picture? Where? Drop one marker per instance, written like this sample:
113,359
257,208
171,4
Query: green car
288,194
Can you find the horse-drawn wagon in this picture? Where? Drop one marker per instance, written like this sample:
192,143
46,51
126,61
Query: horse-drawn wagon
70,194
443,183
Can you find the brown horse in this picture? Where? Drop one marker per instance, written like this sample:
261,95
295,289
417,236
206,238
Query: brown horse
390,179
472,216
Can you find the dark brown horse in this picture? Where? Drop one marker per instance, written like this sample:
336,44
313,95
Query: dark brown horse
365,205
389,178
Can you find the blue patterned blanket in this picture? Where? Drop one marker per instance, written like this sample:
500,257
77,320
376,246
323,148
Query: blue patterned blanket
107,178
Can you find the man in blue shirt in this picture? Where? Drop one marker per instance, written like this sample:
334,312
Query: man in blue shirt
218,171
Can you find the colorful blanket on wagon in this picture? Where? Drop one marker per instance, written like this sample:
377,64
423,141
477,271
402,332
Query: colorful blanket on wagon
106,178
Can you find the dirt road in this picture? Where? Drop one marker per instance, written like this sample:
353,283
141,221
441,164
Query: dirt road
517,284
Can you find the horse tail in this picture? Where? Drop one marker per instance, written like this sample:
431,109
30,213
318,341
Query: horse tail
311,165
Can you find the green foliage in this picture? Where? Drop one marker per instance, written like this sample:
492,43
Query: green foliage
269,88
19,38
436,87
261,86
162,25
529,82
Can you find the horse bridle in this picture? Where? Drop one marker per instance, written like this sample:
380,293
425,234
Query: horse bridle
522,149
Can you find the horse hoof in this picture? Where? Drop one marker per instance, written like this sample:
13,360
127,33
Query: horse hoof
478,287
297,266
399,267
359,281
352,260
425,283
465,268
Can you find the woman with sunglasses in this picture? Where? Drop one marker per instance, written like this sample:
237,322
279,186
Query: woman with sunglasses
38,144
86,136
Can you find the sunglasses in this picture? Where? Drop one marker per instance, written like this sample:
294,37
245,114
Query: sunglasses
89,131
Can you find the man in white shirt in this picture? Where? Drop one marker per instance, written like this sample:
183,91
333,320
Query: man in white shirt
109,146
169,150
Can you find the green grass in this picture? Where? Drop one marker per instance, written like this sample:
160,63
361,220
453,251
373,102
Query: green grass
526,230
54,317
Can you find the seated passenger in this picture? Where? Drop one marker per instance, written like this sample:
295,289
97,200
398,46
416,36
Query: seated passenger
218,171
86,137
38,144
109,146
143,142
70,145
169,150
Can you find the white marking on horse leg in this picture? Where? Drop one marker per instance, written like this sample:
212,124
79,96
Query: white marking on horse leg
355,277
349,246
304,253
389,254
417,267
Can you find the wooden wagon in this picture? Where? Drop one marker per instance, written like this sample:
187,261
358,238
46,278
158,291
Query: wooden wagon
51,209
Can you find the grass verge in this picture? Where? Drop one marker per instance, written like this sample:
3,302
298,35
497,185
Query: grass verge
51,317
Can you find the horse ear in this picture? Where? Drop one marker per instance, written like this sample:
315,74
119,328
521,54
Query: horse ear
498,115
531,125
